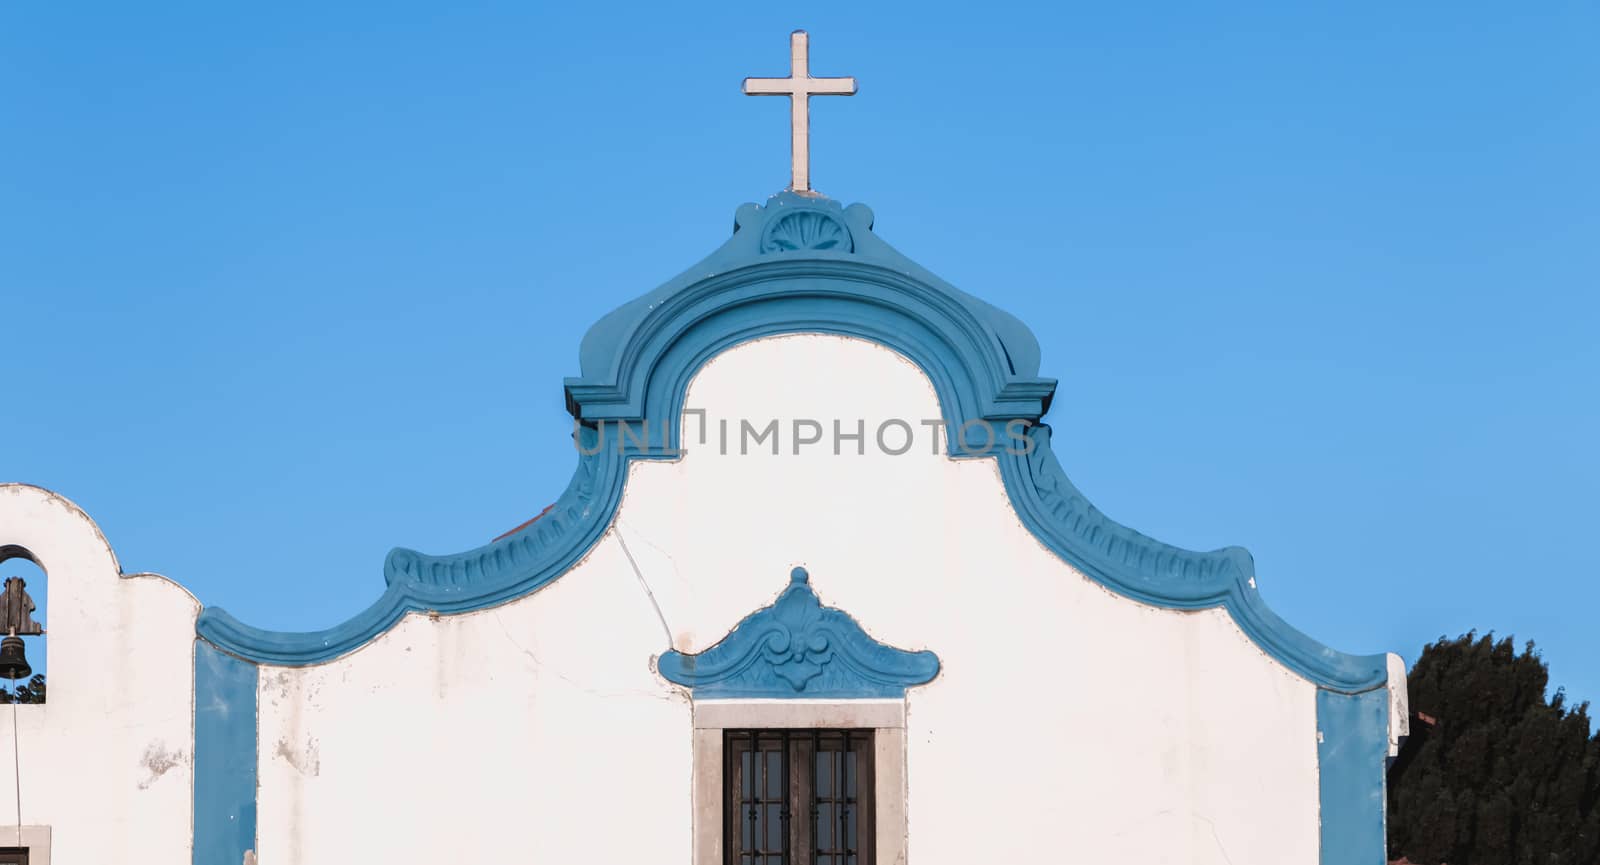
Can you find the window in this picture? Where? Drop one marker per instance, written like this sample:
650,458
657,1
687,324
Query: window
798,797
27,845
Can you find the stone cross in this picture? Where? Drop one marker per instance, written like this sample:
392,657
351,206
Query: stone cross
800,87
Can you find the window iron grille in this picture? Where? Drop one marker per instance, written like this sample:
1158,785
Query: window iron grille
798,797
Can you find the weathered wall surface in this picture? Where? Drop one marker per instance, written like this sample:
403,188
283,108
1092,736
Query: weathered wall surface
532,732
1079,722
107,762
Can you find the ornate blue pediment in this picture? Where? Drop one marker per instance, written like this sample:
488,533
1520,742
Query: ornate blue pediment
799,648
806,264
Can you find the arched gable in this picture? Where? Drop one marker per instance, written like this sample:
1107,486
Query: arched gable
802,264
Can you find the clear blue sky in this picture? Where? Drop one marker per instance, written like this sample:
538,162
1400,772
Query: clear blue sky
285,285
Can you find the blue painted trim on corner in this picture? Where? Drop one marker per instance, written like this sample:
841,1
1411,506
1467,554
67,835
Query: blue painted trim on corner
224,756
636,364
1352,759
798,648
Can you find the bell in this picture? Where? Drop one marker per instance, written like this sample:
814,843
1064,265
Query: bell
13,660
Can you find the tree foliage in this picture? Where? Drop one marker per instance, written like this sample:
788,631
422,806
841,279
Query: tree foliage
1505,776
31,691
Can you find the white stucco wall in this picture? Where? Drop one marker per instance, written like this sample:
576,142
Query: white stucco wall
496,736
106,762
538,732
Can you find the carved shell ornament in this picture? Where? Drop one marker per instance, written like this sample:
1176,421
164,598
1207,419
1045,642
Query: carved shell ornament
806,230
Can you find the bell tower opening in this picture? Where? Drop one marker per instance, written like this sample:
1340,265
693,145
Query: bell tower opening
23,593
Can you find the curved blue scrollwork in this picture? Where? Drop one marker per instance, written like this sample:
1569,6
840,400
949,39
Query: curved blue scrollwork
636,364
799,648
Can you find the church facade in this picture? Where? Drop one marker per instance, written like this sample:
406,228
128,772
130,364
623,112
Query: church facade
818,592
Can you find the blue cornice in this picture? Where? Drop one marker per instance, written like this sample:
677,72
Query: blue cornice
799,648
491,574
778,274
804,264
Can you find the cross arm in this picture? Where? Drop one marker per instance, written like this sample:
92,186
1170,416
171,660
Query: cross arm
831,86
800,86
769,86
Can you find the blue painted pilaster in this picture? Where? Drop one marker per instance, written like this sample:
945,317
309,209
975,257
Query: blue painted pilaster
1352,761
224,756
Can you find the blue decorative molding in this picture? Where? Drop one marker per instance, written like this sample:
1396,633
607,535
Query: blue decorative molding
1148,570
224,756
1352,766
636,364
799,648
809,229
636,360
491,574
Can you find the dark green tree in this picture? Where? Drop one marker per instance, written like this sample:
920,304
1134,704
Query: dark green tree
31,691
1504,776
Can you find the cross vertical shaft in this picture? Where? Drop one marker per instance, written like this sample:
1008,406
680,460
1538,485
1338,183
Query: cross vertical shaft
800,87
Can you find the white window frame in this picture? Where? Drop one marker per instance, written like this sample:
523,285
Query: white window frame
885,718
35,838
